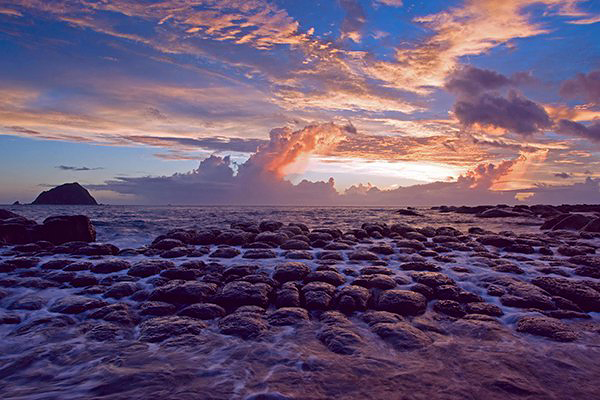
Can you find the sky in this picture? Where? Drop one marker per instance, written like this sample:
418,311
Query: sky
337,102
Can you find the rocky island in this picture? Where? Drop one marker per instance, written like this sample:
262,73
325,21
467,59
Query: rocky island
66,194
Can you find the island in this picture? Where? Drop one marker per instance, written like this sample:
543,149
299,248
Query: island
68,194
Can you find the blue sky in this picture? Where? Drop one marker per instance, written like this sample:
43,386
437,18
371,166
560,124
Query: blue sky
418,92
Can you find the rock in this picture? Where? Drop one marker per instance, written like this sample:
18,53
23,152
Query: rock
144,269
290,271
295,245
419,266
403,302
447,292
75,304
449,307
179,273
28,302
299,255
270,225
483,308
184,293
432,279
161,328
381,249
110,266
242,293
331,277
122,289
375,281
352,298
243,324
9,319
118,313
288,316
498,213
287,296
548,327
318,295
337,336
402,335
68,193
204,311
408,212
83,280
157,308
363,255
225,252
67,228
167,244
578,292
593,226
495,240
259,254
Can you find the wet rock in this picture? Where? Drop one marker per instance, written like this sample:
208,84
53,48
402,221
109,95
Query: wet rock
119,313
167,244
375,281
67,228
244,325
157,308
270,225
402,335
96,250
49,326
121,289
331,277
78,266
103,332
449,307
29,302
299,255
25,262
522,295
571,251
403,302
352,298
203,311
295,245
548,327
287,296
144,269
578,292
570,222
447,292
9,319
161,328
61,276
240,293
318,295
419,266
508,268
432,279
520,248
593,226
259,254
272,238
179,273
363,255
424,290
184,293
176,252
373,317
75,304
225,252
330,255
110,266
495,240
381,249
371,270
483,308
290,271
84,280
337,336
56,264
288,316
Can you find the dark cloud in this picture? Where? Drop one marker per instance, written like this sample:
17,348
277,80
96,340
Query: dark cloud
582,86
573,128
70,168
514,113
354,20
563,175
215,143
471,81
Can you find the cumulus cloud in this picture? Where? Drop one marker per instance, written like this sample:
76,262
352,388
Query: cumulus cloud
573,128
78,169
583,86
261,180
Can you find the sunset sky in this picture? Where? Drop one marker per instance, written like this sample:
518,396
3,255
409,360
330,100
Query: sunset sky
263,102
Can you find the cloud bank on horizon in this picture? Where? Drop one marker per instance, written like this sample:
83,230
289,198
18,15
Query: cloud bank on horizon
398,102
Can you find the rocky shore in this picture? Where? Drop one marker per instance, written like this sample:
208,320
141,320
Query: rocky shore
377,311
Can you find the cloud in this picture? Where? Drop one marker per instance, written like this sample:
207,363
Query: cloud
563,175
573,128
261,180
354,20
513,113
470,81
583,86
215,143
391,3
70,168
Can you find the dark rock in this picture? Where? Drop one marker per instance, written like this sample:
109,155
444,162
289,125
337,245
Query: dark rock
259,254
243,324
287,296
332,277
9,319
402,335
157,308
288,316
118,313
363,255
67,228
179,273
184,293
496,241
584,296
548,327
318,295
382,249
241,293
110,266
290,271
295,245
122,289
403,302
419,266
593,226
352,298
375,281
28,302
167,244
144,269
83,280
572,222
449,307
447,292
75,304
299,255
203,311
69,194
161,328
225,252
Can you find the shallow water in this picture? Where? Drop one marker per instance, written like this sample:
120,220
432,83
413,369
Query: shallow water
467,359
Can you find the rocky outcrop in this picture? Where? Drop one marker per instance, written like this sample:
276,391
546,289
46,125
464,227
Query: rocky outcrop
69,193
15,229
